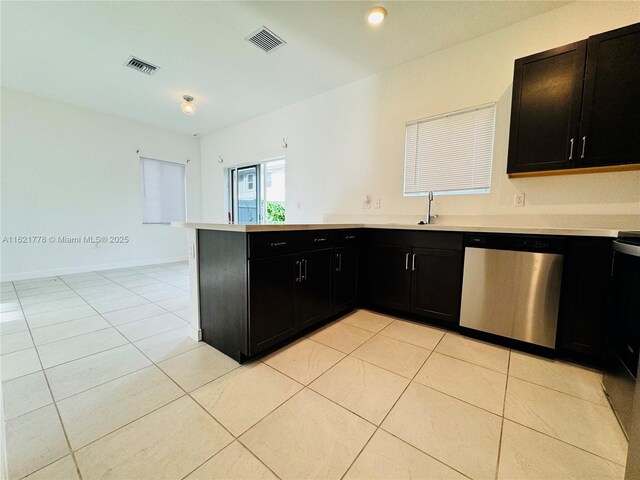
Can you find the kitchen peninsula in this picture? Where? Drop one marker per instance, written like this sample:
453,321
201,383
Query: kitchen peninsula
255,287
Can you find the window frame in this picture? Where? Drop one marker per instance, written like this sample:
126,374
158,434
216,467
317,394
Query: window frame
230,185
141,160
251,182
469,191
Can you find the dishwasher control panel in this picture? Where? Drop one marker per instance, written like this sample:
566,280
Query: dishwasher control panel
525,243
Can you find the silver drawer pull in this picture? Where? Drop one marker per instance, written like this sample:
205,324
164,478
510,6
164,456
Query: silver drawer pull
630,349
278,244
349,237
584,146
319,239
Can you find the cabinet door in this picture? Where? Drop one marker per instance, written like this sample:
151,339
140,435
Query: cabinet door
390,277
545,110
272,305
346,278
610,124
314,297
586,280
436,283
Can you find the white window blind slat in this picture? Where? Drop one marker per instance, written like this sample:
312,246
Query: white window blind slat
450,153
163,191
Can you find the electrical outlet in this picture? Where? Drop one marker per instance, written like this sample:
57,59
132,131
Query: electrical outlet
377,203
518,200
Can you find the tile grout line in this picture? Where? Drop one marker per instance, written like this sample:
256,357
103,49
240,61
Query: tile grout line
58,412
306,386
187,394
55,406
560,391
504,405
565,442
412,379
128,341
379,427
160,306
235,439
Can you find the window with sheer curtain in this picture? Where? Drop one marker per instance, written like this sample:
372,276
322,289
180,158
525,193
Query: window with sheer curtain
450,153
163,191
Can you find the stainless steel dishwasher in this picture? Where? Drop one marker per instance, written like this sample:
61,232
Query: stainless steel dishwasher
511,286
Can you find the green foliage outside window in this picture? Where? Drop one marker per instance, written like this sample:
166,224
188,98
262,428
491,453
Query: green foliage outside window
275,212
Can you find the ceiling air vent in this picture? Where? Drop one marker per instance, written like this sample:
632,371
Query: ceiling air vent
141,65
266,39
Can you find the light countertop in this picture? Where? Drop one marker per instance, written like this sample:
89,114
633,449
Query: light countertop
584,232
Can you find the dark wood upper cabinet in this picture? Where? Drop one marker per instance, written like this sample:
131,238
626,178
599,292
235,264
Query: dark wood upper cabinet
610,123
545,110
577,106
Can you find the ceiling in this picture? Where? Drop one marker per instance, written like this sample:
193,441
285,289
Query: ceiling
74,51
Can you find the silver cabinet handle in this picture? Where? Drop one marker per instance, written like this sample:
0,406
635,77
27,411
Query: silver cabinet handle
304,277
319,239
278,244
349,237
339,258
413,262
584,146
406,262
298,272
571,151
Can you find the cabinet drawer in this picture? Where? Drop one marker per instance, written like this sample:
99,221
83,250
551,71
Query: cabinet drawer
345,238
315,239
416,238
265,244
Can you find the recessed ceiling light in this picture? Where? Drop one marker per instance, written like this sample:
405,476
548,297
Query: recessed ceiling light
195,134
188,107
376,15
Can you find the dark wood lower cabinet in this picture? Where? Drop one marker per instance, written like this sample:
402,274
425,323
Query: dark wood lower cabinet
586,283
436,283
315,287
346,279
249,305
390,277
272,301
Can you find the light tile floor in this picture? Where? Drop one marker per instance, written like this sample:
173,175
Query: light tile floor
100,380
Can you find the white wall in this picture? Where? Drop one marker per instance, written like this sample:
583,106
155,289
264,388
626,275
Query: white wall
70,171
348,142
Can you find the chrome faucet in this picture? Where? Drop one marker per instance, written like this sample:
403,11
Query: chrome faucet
427,221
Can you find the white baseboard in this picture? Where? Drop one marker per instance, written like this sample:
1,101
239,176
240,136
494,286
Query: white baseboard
195,333
88,268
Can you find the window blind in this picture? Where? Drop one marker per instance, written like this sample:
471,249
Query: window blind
163,190
450,153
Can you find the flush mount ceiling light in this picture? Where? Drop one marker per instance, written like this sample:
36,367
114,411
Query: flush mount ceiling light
376,15
188,107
